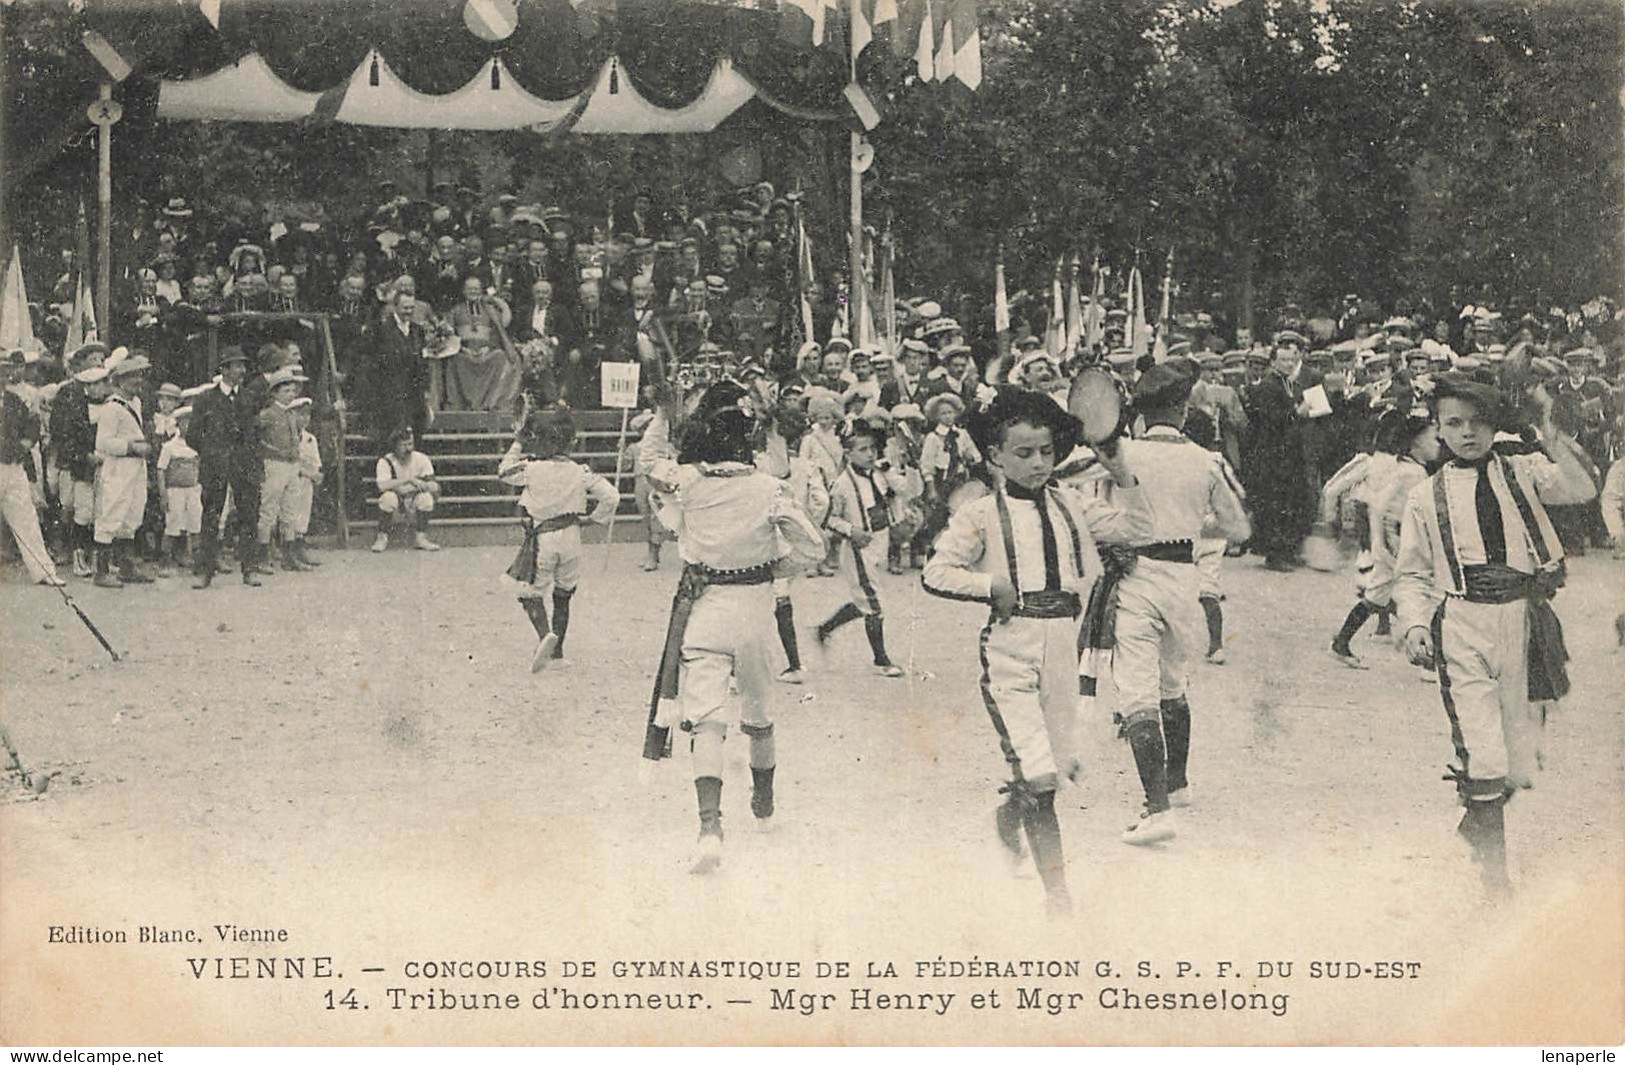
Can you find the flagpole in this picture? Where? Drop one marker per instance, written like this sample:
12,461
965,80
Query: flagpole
856,287
104,203
5,148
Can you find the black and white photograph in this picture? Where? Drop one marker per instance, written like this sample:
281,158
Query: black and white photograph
892,523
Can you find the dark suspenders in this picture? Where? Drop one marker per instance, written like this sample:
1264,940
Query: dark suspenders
1009,538
1532,530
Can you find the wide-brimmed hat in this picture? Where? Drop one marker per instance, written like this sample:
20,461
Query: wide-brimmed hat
935,403
134,364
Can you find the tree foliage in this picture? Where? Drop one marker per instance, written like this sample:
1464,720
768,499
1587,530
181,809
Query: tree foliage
1284,149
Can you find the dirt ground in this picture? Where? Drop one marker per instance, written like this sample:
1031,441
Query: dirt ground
362,757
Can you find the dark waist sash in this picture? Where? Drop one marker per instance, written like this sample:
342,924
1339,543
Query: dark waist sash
557,522
1099,630
1547,655
1169,551
1048,604
523,567
694,580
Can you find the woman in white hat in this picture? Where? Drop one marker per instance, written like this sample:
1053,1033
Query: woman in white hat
121,477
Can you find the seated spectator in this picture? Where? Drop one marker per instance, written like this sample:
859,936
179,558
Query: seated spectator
481,376
407,490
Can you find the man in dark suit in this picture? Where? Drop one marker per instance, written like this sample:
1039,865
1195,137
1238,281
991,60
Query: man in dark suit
396,380
225,433
1278,489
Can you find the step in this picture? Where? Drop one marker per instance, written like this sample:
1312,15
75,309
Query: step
486,532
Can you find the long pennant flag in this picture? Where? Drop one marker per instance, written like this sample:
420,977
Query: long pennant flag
1074,312
804,268
1139,339
1094,333
1055,331
16,324
82,326
1001,306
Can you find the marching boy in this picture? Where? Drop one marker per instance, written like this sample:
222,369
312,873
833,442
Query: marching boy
279,443
303,493
1477,567
858,516
1027,551
181,492
556,492
734,525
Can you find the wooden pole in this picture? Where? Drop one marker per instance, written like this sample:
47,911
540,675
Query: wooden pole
336,406
104,228
856,289
5,148
620,455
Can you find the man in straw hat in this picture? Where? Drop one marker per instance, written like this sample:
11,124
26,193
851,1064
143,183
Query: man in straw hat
73,441
225,433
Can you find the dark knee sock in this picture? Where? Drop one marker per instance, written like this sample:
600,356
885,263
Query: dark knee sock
1385,621
1151,759
708,790
875,626
1484,826
1215,623
536,611
1176,731
1351,624
784,612
847,613
561,617
1044,837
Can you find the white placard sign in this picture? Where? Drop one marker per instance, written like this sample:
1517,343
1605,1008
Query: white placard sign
619,385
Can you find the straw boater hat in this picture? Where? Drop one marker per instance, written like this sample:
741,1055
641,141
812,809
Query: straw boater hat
935,403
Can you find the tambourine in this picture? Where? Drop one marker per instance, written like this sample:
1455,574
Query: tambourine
1097,401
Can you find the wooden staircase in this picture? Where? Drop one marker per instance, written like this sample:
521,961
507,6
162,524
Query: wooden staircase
475,508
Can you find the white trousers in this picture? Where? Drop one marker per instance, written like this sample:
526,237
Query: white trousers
1160,629
1495,729
1030,689
858,567
727,637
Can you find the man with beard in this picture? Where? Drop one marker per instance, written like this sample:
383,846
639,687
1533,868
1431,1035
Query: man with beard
396,379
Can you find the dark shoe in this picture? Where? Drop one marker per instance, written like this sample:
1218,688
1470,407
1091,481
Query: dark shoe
204,580
108,580
249,578
302,554
1279,565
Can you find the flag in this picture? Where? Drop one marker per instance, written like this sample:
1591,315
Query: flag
923,36
868,16
966,41
804,272
16,325
801,22
1139,338
117,64
82,326
1159,350
1055,331
888,294
1001,307
1094,331
842,325
1074,312
945,45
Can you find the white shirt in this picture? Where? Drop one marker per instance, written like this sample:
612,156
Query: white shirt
390,468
